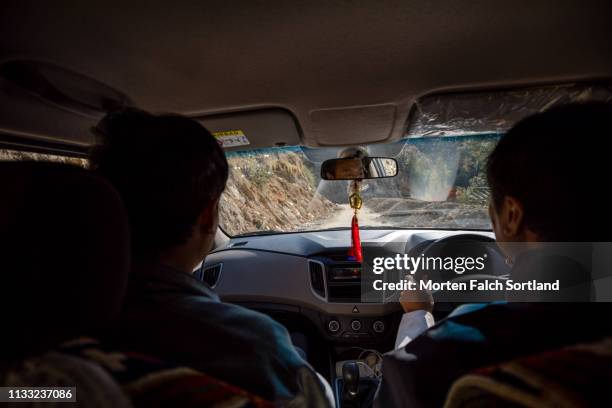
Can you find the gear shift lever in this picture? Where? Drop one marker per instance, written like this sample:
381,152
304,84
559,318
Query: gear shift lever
350,376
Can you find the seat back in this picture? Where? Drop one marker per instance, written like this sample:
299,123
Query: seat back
64,255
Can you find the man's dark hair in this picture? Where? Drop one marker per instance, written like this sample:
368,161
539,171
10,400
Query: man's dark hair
557,164
167,168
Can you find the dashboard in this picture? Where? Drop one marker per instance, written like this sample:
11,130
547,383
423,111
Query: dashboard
311,276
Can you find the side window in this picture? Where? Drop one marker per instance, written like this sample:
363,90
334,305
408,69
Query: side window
17,155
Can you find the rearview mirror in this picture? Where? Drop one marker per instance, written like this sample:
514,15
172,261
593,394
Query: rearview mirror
352,168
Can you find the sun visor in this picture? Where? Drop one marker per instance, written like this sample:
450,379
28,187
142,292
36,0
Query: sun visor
27,119
52,104
353,125
461,114
255,129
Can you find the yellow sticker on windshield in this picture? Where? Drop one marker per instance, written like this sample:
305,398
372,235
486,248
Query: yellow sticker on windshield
231,138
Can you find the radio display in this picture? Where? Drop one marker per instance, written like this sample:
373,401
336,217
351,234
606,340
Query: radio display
345,273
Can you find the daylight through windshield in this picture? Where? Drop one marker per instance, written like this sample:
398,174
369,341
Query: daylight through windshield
440,184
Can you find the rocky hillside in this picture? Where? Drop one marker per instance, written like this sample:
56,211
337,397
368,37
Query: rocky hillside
14,155
271,194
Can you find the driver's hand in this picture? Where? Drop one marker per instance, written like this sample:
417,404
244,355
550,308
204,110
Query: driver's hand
413,300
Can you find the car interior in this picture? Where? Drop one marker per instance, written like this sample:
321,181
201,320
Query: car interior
288,88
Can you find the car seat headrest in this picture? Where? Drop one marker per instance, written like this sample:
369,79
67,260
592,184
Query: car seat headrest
64,239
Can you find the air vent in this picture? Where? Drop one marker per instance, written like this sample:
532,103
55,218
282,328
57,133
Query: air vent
317,278
211,275
238,244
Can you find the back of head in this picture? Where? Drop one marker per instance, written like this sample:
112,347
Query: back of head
556,164
167,168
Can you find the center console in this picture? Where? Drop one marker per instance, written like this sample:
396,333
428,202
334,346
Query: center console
336,279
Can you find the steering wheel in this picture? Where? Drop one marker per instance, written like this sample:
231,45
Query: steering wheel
462,247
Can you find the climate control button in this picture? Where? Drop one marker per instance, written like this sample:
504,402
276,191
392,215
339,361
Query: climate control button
378,326
333,326
356,325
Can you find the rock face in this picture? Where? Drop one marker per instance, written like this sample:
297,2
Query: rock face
265,194
14,155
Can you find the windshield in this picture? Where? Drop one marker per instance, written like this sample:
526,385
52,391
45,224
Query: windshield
440,184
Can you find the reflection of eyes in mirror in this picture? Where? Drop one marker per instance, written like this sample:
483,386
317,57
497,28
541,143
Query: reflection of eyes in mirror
358,168
349,169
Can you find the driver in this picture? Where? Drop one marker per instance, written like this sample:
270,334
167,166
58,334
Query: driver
538,176
352,167
348,169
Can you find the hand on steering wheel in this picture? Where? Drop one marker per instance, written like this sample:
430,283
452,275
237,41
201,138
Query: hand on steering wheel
418,299
459,245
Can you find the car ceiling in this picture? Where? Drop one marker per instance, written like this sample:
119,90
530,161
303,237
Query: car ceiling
349,71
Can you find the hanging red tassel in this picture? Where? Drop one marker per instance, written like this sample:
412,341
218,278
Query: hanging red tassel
355,250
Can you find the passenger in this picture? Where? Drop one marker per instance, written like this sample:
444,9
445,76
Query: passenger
539,177
170,172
